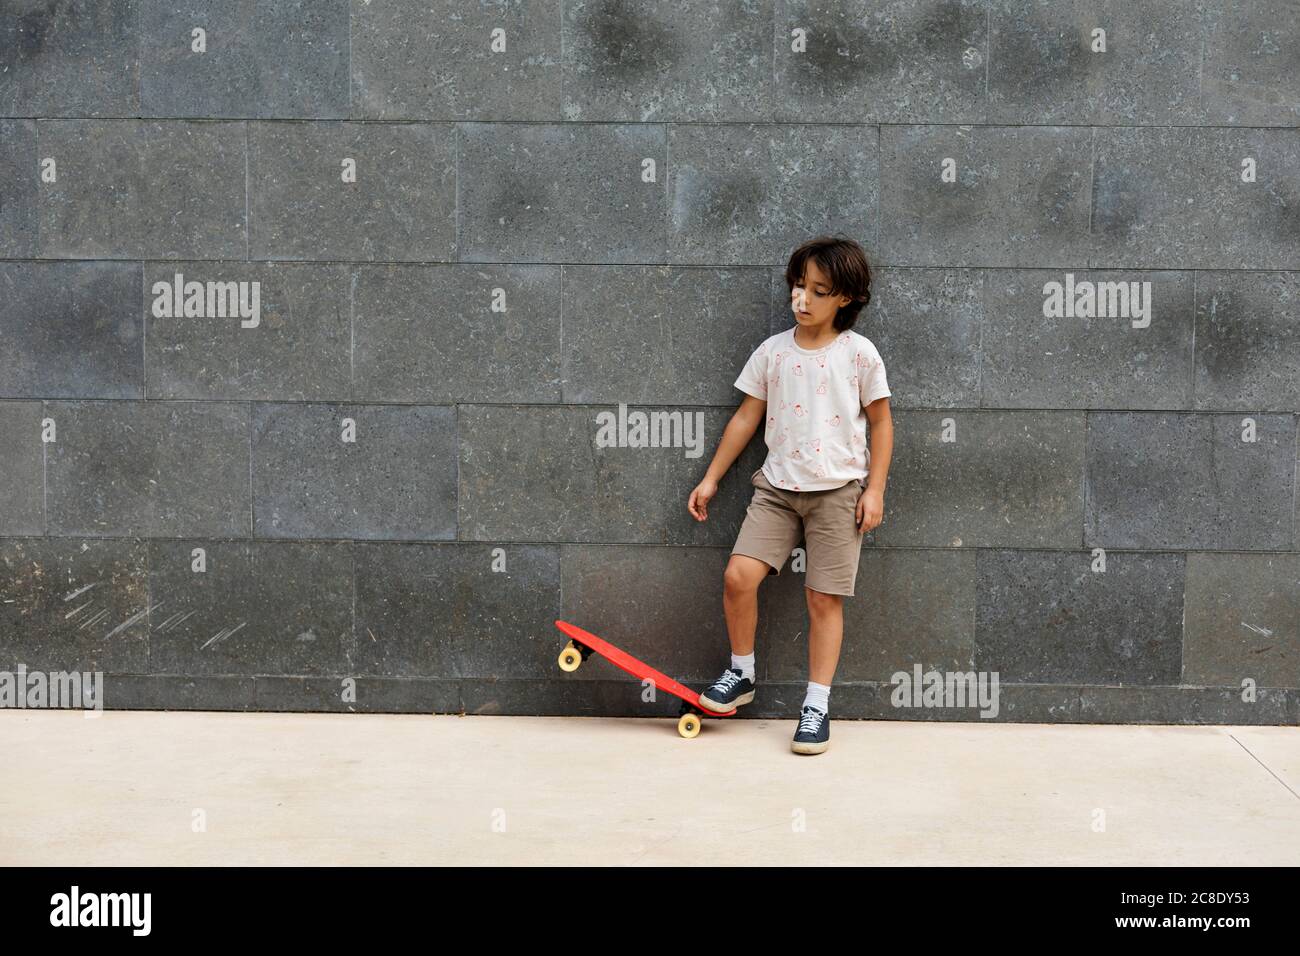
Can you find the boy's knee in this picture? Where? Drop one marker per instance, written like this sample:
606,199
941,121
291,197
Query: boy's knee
820,601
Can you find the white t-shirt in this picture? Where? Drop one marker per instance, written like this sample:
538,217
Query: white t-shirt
816,426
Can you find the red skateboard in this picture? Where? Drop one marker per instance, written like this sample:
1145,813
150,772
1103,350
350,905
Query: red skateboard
583,644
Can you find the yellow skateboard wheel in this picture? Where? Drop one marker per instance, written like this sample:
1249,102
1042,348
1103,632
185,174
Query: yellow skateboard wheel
570,658
688,725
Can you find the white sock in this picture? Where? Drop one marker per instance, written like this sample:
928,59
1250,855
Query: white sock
819,696
744,664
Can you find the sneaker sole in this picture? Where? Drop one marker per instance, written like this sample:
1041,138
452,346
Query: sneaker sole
809,748
723,708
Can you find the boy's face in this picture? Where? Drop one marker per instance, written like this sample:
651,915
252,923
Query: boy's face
811,300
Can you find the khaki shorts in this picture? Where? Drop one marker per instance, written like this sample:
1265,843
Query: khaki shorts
776,520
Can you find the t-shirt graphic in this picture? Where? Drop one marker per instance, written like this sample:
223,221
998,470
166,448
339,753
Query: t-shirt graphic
816,427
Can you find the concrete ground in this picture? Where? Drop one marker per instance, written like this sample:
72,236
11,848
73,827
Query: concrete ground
235,788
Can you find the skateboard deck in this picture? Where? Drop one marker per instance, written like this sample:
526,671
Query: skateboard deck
688,724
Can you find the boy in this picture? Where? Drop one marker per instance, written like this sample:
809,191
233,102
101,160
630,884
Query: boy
815,386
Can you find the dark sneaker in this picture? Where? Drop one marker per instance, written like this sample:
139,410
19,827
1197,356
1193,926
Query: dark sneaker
814,732
727,692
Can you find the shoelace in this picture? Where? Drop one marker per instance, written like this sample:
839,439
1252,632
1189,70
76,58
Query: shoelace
810,720
727,681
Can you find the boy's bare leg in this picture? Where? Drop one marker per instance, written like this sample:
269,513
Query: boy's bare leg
826,617
740,600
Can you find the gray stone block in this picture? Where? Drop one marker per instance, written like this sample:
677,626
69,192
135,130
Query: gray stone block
414,60
745,194
532,473
1174,198
910,606
1189,481
1019,196
634,333
396,480
1249,75
162,469
296,344
1030,360
71,330
562,193
261,607
686,62
139,189
22,469
288,58
18,187
1005,479
432,333
72,604
77,58
442,610
401,206
898,61
1044,66
1242,619
1247,341
1049,617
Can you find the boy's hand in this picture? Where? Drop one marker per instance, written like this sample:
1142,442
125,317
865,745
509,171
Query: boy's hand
698,505
870,511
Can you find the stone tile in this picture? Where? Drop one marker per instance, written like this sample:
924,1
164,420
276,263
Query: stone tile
662,605
633,333
927,325
158,469
1181,705
412,60
1242,620
396,480
295,343
22,469
537,474
1042,67
979,479
1020,197
463,610
457,333
1117,358
1189,481
137,189
896,61
1173,198
70,59
75,605
687,62
260,607
1250,76
910,606
402,205
1247,341
364,695
71,330
749,194
18,185
1050,617
159,692
534,192
288,58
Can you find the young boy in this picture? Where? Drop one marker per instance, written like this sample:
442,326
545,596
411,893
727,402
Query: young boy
815,386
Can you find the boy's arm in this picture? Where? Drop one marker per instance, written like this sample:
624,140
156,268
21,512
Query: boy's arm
744,422
882,444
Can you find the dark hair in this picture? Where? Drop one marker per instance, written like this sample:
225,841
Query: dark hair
845,265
